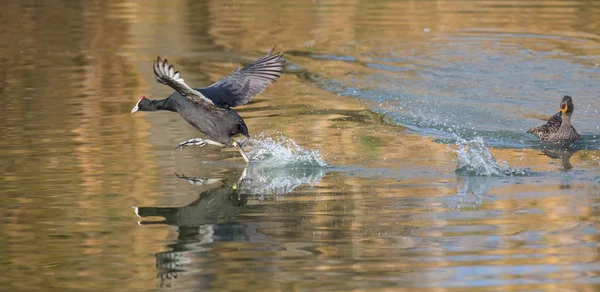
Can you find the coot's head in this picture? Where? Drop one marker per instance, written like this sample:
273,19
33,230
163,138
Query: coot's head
566,105
141,105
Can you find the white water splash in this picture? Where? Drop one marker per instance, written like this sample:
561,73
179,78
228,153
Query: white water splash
267,180
474,158
282,152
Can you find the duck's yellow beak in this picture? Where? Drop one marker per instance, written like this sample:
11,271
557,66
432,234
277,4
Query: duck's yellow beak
564,107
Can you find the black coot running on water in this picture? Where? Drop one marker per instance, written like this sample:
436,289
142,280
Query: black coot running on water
558,128
208,109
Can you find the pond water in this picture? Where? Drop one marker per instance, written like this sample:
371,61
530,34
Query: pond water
392,153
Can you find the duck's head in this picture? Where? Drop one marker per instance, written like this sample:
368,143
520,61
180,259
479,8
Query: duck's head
141,105
566,105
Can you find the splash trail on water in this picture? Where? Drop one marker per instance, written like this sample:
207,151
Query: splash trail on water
281,152
474,158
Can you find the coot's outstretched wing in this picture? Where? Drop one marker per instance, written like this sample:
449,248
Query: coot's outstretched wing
245,83
167,75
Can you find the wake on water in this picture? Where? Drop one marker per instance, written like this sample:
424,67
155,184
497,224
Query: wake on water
474,158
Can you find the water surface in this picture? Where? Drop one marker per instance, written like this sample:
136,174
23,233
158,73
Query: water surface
393,149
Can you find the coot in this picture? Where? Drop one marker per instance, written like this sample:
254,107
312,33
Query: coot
208,109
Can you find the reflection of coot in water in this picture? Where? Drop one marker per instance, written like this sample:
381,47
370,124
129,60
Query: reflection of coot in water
208,109
220,202
558,127
209,218
225,200
200,222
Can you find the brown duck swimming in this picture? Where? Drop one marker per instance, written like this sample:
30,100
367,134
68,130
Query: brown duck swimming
558,127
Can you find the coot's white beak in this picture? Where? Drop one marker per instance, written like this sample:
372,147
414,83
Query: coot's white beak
136,107
136,210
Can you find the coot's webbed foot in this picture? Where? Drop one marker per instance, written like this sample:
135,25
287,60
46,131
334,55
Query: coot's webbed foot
199,142
192,142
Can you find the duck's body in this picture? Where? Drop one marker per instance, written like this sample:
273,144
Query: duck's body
566,131
544,131
208,109
559,127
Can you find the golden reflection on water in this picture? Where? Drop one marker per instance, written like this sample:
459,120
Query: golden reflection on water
74,160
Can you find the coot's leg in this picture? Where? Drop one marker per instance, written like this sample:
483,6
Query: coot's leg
198,142
239,148
243,176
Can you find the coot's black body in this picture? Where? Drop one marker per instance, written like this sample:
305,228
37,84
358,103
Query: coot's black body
209,109
219,124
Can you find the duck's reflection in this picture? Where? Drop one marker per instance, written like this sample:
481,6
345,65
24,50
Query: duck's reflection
209,218
562,151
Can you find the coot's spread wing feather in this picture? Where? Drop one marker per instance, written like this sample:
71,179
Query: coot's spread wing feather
245,83
167,75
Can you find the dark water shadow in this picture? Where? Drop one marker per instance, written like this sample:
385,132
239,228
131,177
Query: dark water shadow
212,217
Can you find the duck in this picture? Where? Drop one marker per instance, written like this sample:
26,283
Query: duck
558,128
210,109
